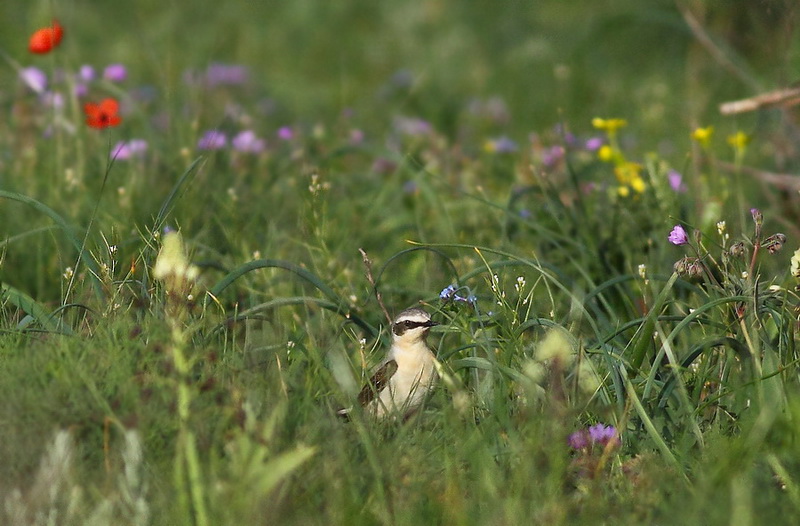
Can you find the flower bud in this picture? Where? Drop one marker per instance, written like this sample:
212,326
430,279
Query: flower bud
737,250
758,217
695,268
774,243
682,266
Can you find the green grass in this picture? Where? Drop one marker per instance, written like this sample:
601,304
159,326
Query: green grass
131,397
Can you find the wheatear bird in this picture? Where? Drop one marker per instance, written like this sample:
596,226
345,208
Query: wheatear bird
403,380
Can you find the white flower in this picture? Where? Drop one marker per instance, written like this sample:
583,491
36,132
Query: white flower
172,261
795,264
555,346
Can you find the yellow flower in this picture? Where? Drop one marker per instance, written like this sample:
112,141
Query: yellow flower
606,153
638,185
703,135
609,125
627,172
623,191
739,140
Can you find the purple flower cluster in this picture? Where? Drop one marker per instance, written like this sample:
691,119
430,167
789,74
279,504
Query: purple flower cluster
245,141
212,140
598,434
248,142
218,74
412,126
553,155
36,80
125,150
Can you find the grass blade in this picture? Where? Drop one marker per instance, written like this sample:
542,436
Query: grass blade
175,194
33,308
68,231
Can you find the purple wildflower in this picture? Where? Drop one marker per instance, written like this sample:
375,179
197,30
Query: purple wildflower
34,78
579,439
412,126
598,434
678,236
115,73
226,75
676,181
552,156
212,140
125,150
248,142
86,73
285,133
356,136
80,90
53,99
594,144
603,434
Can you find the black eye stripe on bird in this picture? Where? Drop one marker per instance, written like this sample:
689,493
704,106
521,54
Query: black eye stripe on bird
402,381
400,327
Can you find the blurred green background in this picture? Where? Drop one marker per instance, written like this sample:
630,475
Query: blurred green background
550,61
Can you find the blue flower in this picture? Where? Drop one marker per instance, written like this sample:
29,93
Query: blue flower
447,293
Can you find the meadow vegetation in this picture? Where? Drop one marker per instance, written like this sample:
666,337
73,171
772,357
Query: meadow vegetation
203,212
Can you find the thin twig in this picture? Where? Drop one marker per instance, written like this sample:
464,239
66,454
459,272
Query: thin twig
368,266
719,55
783,98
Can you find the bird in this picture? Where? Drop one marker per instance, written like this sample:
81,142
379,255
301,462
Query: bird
404,378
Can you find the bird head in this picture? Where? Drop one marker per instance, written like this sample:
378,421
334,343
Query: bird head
412,325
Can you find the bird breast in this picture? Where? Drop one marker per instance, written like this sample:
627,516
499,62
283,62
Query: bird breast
415,374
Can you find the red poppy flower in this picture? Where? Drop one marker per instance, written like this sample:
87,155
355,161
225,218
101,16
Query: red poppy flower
46,39
102,115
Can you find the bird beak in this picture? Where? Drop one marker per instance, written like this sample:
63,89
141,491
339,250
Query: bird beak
432,323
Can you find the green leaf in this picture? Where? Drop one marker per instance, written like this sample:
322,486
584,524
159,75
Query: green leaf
274,471
33,308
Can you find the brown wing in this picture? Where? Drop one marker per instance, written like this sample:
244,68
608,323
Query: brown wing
377,383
